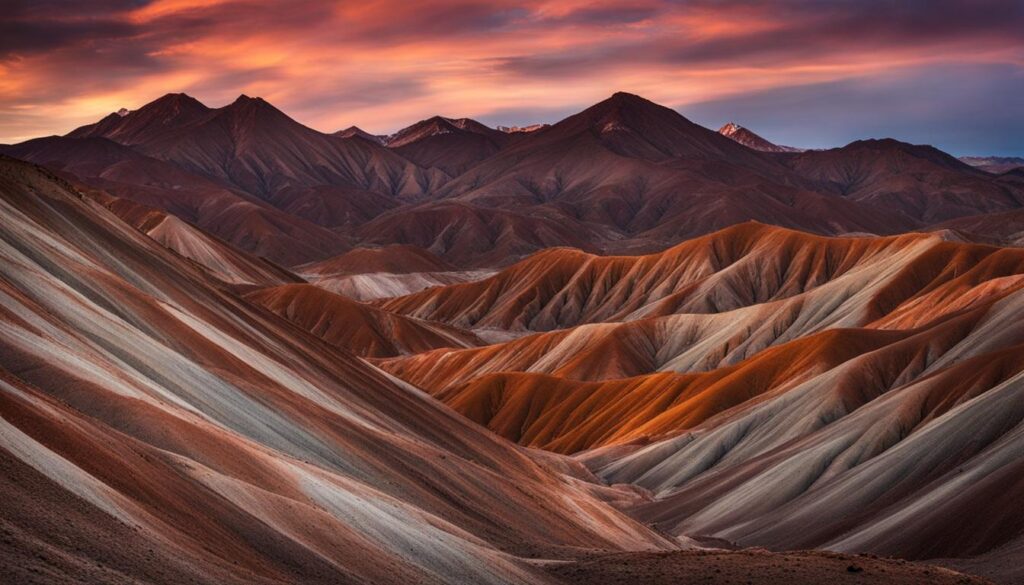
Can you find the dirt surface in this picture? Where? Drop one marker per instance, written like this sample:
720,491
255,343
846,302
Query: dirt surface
753,567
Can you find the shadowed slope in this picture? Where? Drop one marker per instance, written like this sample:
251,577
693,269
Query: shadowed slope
256,147
235,217
751,566
471,236
449,145
919,181
649,174
220,258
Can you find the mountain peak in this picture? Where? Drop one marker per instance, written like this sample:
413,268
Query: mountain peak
175,102
243,99
254,106
522,129
751,140
133,126
357,132
892,146
624,96
623,105
731,128
435,126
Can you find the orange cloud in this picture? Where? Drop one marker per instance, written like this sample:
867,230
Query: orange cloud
382,64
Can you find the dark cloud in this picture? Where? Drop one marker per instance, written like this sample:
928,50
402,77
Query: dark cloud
800,30
31,27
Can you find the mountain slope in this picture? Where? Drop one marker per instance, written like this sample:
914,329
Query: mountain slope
918,181
571,389
254,146
568,416
855,394
471,236
994,164
240,219
563,288
220,258
362,329
446,144
651,177
233,446
392,259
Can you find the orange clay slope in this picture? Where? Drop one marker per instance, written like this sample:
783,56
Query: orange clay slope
595,385
189,436
911,450
567,416
863,402
362,329
739,266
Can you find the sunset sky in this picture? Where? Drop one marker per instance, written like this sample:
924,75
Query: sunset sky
801,72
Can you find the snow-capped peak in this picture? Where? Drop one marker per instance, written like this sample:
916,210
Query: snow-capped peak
750,140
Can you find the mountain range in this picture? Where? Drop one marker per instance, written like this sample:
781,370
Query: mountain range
624,176
620,347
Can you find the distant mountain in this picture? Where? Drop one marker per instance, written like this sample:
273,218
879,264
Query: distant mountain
918,181
751,140
256,147
623,176
647,177
994,164
451,145
212,204
355,131
437,126
521,129
152,121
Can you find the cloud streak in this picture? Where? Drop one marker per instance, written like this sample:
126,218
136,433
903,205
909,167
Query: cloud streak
382,64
